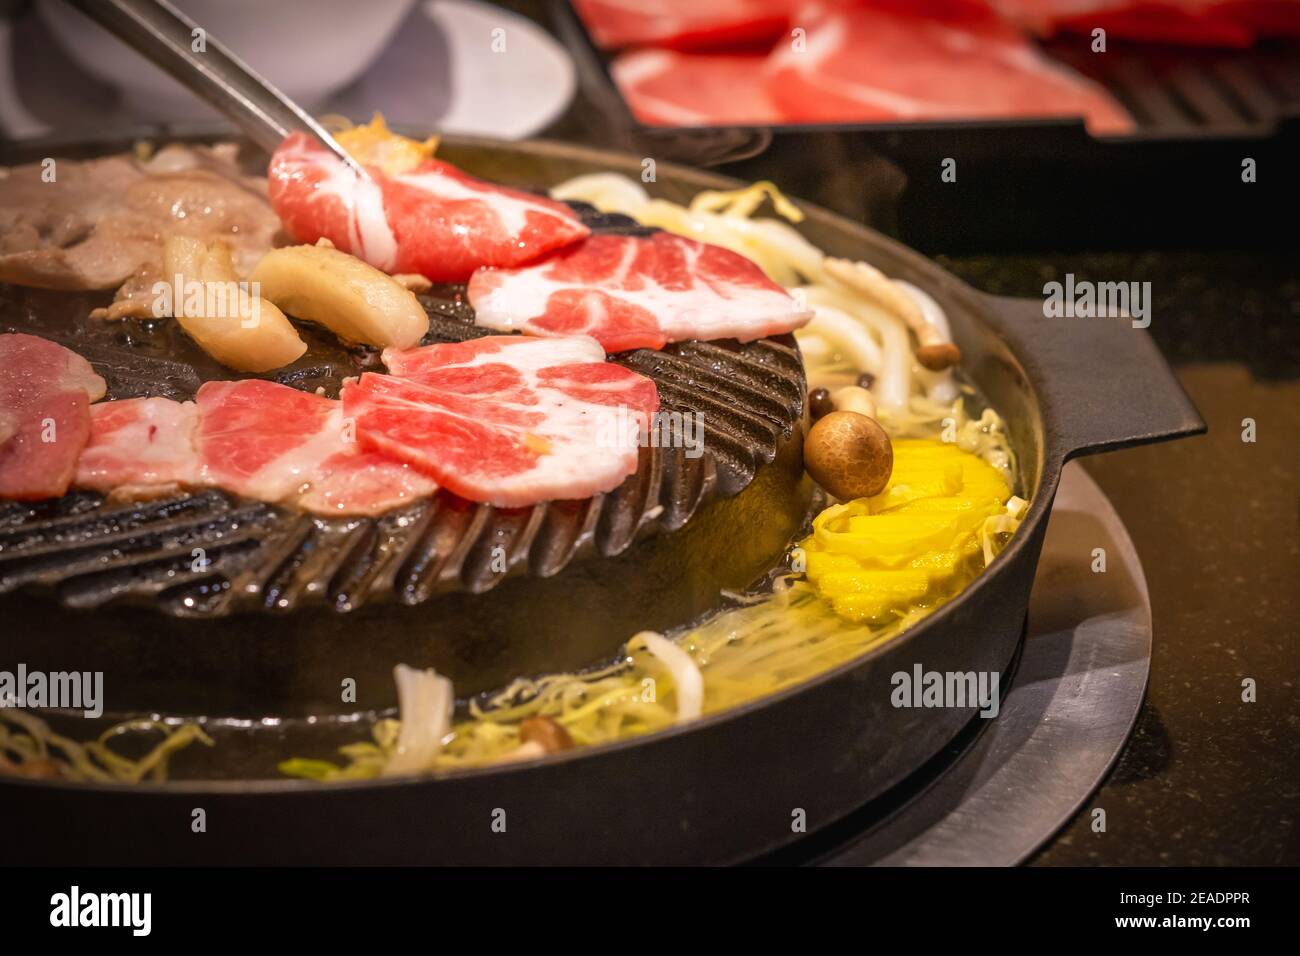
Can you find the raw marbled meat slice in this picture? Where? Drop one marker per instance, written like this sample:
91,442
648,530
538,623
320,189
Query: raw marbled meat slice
683,23
277,444
433,220
360,482
262,440
637,292
45,396
939,60
510,420
140,447
666,88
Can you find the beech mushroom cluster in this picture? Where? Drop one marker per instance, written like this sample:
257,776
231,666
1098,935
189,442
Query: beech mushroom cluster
933,350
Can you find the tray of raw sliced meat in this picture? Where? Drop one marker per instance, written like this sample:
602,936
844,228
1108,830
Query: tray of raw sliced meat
1122,68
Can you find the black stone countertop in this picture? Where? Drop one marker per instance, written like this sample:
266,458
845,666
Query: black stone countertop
1206,778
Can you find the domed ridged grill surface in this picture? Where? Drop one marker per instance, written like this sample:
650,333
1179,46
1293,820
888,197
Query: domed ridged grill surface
209,554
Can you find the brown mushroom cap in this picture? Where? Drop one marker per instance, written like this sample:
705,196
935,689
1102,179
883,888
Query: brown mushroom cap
849,455
36,769
937,356
550,734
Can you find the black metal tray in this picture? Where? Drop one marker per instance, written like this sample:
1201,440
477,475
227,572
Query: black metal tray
1176,181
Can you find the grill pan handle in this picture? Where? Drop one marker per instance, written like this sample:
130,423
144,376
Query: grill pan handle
1102,384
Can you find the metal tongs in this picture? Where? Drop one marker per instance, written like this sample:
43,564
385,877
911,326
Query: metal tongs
166,37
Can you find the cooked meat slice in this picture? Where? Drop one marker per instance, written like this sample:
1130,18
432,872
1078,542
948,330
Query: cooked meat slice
45,396
101,223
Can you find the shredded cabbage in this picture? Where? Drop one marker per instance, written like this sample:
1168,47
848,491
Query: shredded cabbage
27,741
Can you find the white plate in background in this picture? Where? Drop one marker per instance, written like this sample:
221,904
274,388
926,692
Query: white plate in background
512,94
439,70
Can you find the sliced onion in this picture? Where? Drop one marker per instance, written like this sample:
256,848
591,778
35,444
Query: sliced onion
608,192
815,347
931,309
686,676
893,386
849,336
424,701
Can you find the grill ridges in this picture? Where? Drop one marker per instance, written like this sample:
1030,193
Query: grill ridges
264,559
1187,91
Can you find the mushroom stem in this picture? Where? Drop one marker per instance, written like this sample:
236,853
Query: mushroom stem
854,398
933,350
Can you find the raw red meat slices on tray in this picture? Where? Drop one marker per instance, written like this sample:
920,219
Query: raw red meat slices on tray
869,61
878,63
1221,23
667,88
684,23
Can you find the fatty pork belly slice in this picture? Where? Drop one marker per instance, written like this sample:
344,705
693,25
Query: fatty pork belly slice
434,220
509,420
45,396
277,444
632,292
140,448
